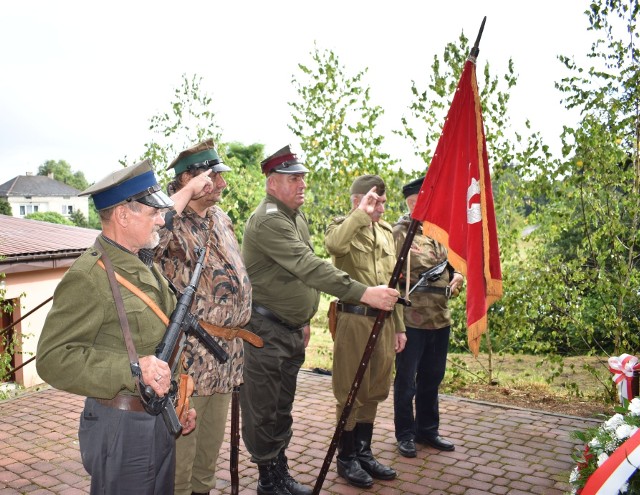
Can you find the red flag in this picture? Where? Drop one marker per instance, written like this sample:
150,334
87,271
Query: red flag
456,204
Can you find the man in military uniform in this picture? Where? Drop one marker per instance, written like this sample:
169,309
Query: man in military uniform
82,347
287,277
421,366
362,245
223,299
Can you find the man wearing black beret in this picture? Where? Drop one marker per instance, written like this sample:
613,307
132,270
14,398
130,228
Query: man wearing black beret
421,366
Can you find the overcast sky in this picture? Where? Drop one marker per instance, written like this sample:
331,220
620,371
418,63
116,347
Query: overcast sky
80,79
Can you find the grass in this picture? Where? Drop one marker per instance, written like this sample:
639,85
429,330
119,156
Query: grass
586,377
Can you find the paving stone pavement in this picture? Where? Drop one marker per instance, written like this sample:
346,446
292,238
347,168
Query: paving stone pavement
499,449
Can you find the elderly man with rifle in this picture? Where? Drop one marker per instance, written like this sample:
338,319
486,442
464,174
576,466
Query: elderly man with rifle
421,366
100,338
223,303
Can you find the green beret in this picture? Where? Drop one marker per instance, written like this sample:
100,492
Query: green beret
202,155
364,183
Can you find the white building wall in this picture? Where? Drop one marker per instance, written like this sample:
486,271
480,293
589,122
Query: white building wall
49,203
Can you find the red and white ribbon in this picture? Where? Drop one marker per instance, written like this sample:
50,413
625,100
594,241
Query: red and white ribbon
622,368
616,470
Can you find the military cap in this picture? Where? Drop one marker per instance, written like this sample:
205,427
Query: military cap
202,155
283,161
412,187
135,183
364,183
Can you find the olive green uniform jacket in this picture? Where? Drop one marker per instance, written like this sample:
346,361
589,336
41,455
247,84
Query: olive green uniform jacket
81,348
367,253
286,274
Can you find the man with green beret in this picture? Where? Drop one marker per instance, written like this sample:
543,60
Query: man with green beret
287,277
223,299
82,348
362,245
421,366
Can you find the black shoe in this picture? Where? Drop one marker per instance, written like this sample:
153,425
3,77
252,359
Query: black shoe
270,481
407,448
292,485
351,471
348,465
363,433
200,493
437,442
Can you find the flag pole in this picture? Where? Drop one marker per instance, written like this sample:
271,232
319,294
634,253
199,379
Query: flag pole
375,331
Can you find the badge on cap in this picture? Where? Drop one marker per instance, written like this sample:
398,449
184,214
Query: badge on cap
283,161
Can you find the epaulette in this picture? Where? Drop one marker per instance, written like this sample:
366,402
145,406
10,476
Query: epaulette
339,219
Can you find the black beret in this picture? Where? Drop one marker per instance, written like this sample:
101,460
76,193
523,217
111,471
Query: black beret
412,187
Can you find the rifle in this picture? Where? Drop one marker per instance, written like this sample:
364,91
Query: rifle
170,348
431,275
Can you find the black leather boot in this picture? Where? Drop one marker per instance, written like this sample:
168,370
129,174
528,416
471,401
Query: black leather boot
292,485
363,433
269,481
348,465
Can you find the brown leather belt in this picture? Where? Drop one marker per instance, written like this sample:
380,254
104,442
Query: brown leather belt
229,333
270,315
358,309
124,403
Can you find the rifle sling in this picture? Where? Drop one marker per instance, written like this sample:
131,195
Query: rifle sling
122,316
216,331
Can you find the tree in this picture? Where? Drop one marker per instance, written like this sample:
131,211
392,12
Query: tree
49,216
336,124
190,120
246,182
62,172
5,208
78,219
590,225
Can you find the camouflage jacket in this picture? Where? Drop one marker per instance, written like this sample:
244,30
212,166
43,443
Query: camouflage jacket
427,310
223,297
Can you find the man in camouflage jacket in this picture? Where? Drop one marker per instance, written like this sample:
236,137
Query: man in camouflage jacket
223,299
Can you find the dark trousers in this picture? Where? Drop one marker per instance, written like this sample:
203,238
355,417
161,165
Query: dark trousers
420,369
270,379
126,452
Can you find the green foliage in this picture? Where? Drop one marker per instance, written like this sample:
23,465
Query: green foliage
189,120
49,216
5,208
335,122
245,182
62,173
78,219
580,291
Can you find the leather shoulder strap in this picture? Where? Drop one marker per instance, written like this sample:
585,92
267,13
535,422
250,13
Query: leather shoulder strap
122,316
135,290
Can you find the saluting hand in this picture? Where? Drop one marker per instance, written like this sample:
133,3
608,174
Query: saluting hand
369,201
